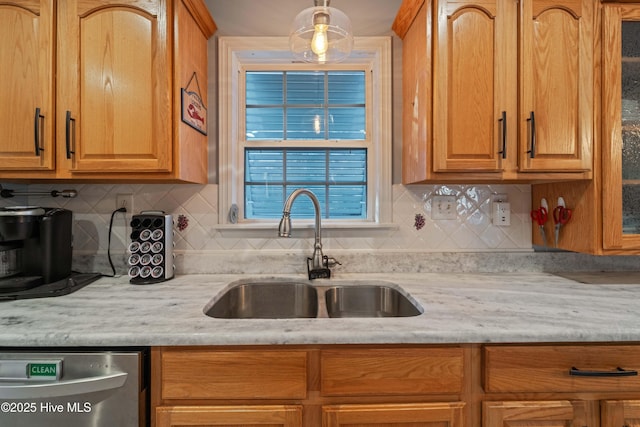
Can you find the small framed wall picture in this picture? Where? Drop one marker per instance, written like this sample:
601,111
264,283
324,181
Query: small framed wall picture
194,112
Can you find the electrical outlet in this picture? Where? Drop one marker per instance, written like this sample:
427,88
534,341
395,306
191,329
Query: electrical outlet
125,201
444,207
501,214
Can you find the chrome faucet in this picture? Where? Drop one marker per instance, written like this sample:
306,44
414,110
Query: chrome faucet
318,265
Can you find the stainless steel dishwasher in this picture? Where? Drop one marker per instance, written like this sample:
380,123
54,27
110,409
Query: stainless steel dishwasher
74,388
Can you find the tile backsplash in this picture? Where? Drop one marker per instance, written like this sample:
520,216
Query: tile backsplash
198,205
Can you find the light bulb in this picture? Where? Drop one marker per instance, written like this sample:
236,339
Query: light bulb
319,42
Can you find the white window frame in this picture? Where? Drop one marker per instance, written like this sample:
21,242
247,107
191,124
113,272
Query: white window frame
237,54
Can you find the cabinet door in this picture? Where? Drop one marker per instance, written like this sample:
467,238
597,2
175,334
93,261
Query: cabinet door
556,85
114,87
474,83
394,415
540,414
416,97
615,413
621,127
228,416
26,86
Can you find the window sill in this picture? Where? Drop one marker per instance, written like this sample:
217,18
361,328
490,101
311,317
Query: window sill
306,230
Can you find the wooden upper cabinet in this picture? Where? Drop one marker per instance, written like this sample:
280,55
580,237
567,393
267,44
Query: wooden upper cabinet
26,86
416,96
605,211
474,69
497,89
114,86
118,69
556,116
620,128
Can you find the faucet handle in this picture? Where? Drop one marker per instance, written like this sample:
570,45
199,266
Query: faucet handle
331,262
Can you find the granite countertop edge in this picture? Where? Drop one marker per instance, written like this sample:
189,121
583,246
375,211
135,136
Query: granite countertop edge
463,308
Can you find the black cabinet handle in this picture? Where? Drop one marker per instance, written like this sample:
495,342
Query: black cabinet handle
68,134
36,132
503,119
532,151
619,372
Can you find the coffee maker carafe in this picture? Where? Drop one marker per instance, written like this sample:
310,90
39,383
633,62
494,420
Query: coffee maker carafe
35,246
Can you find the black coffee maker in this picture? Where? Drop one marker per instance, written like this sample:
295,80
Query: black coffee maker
35,246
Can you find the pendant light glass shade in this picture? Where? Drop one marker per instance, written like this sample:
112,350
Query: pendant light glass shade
321,34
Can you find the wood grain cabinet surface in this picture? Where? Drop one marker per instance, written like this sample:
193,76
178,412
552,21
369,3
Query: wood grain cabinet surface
470,385
118,69
405,415
309,386
275,374
497,90
535,413
601,225
391,371
561,385
561,369
241,416
27,115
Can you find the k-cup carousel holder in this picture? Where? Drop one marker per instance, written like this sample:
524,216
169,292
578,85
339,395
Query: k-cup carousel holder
151,248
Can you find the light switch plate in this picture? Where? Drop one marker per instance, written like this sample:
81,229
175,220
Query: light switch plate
444,207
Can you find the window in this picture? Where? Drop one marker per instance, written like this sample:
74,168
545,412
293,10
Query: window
288,106
287,125
337,176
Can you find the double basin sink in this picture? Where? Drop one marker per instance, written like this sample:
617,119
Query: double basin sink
289,299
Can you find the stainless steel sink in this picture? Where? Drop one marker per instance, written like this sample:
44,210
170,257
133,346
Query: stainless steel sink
285,299
265,300
368,301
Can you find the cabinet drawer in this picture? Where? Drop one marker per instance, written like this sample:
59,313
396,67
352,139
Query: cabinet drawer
242,374
561,368
403,414
241,416
407,371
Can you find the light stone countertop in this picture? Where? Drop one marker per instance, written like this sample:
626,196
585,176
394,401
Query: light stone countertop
458,308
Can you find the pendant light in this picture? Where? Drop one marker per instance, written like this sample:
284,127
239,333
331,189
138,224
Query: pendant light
321,34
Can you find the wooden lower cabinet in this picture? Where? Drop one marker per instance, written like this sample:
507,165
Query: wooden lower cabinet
322,386
616,413
353,415
592,385
227,416
400,415
612,413
536,413
470,385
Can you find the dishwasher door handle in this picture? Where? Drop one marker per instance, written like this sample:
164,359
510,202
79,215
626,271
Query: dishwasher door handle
62,388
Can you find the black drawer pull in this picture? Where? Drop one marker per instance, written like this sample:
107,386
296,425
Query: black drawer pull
619,372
